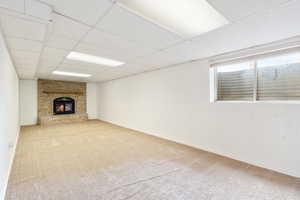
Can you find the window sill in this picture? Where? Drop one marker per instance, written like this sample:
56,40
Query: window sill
257,102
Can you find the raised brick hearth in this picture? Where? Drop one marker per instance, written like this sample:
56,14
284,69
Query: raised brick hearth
57,119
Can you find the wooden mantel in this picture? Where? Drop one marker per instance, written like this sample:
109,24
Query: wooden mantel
62,92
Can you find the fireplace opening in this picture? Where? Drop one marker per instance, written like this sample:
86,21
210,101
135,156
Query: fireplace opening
63,105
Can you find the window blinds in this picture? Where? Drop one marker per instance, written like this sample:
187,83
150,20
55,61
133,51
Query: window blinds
279,78
235,82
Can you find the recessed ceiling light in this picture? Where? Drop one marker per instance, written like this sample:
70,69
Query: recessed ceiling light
70,74
94,59
187,18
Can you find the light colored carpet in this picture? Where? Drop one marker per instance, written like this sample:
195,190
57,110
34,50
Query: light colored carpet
99,161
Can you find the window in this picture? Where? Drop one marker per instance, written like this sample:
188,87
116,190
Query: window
235,82
269,77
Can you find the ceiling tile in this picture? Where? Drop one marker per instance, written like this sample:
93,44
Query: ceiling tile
93,9
38,9
133,28
129,68
42,75
156,60
17,5
47,66
67,28
51,58
182,52
25,70
24,44
46,69
48,63
61,42
27,29
234,10
106,76
114,73
115,44
24,67
26,58
54,54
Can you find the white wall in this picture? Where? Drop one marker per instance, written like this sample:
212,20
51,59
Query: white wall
174,104
91,99
9,114
28,102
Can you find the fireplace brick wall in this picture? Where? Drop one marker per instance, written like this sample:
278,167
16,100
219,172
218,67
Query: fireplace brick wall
48,90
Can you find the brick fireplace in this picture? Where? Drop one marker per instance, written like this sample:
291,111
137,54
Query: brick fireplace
61,102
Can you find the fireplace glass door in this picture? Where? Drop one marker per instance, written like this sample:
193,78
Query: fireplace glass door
63,105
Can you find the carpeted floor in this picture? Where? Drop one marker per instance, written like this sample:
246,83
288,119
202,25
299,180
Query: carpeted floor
99,161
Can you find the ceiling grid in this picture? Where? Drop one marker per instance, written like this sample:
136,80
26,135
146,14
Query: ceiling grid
107,29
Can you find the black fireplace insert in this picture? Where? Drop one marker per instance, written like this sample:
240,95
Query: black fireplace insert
63,105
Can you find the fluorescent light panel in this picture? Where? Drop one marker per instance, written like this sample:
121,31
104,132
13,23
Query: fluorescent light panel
70,74
94,59
187,18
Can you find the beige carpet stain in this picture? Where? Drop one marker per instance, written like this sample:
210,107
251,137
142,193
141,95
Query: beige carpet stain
95,160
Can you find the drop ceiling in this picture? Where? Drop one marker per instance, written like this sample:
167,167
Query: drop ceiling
41,33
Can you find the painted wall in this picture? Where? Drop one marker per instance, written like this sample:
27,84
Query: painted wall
28,102
174,104
91,95
9,114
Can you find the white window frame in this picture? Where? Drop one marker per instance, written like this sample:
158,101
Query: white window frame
253,58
